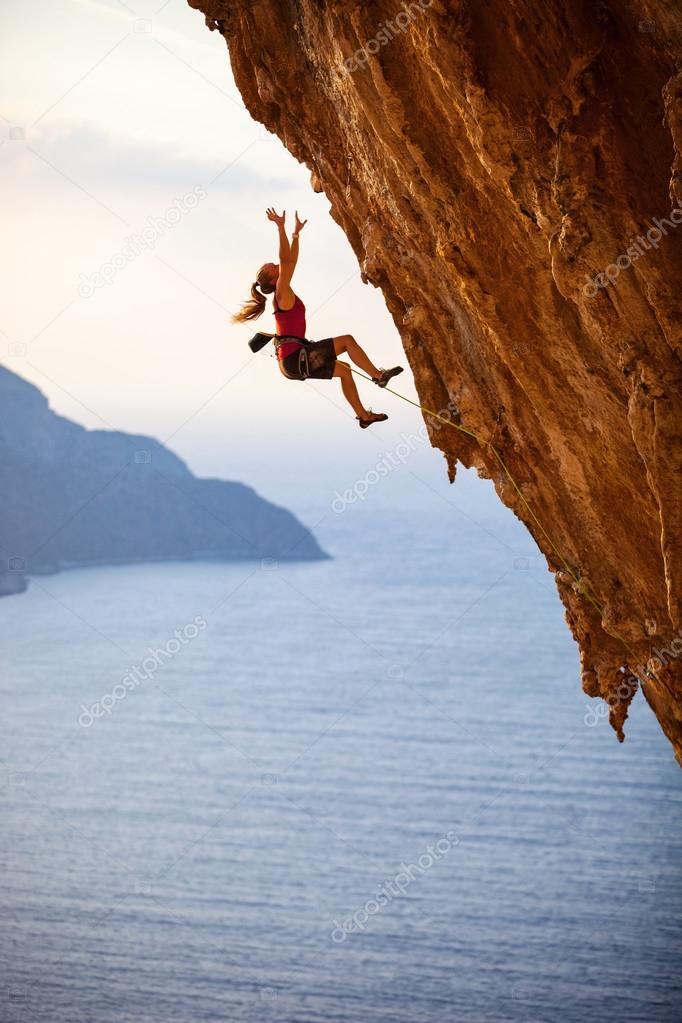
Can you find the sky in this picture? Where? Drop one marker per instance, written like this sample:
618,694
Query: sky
121,129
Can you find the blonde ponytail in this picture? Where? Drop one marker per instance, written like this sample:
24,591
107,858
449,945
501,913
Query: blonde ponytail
252,309
255,306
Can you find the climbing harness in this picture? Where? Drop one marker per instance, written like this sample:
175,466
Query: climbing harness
259,341
302,368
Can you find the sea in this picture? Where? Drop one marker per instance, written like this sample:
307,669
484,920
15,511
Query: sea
362,789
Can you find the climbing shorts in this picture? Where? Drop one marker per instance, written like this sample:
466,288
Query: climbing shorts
316,359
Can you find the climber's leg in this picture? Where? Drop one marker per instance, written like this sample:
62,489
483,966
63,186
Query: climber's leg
350,391
346,343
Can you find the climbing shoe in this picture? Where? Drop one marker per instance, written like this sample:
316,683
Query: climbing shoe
386,375
374,417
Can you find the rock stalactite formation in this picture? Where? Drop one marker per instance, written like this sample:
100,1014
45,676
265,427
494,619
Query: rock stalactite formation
510,175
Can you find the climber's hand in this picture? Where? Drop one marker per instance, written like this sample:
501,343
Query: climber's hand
275,217
300,224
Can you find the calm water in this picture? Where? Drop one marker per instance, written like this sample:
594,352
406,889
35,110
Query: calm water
197,852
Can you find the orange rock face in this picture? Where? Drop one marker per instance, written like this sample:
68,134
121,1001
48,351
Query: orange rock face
510,175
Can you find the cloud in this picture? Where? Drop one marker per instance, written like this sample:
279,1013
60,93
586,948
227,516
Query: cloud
92,156
126,16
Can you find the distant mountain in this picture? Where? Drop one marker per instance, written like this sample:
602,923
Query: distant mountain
73,497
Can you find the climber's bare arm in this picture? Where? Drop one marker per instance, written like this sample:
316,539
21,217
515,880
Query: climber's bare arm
288,258
279,219
287,261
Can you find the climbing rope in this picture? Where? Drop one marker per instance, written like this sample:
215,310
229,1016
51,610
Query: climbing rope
582,586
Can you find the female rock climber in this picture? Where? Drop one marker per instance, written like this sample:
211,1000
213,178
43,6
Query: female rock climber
299,358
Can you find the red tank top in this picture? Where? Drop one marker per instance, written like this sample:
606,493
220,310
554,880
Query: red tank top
291,322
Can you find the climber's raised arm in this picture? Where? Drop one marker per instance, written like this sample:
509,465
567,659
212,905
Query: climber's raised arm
284,295
300,224
288,258
279,219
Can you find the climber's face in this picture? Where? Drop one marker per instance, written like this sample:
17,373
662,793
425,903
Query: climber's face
272,270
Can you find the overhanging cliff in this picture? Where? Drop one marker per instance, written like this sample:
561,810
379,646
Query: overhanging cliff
497,167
